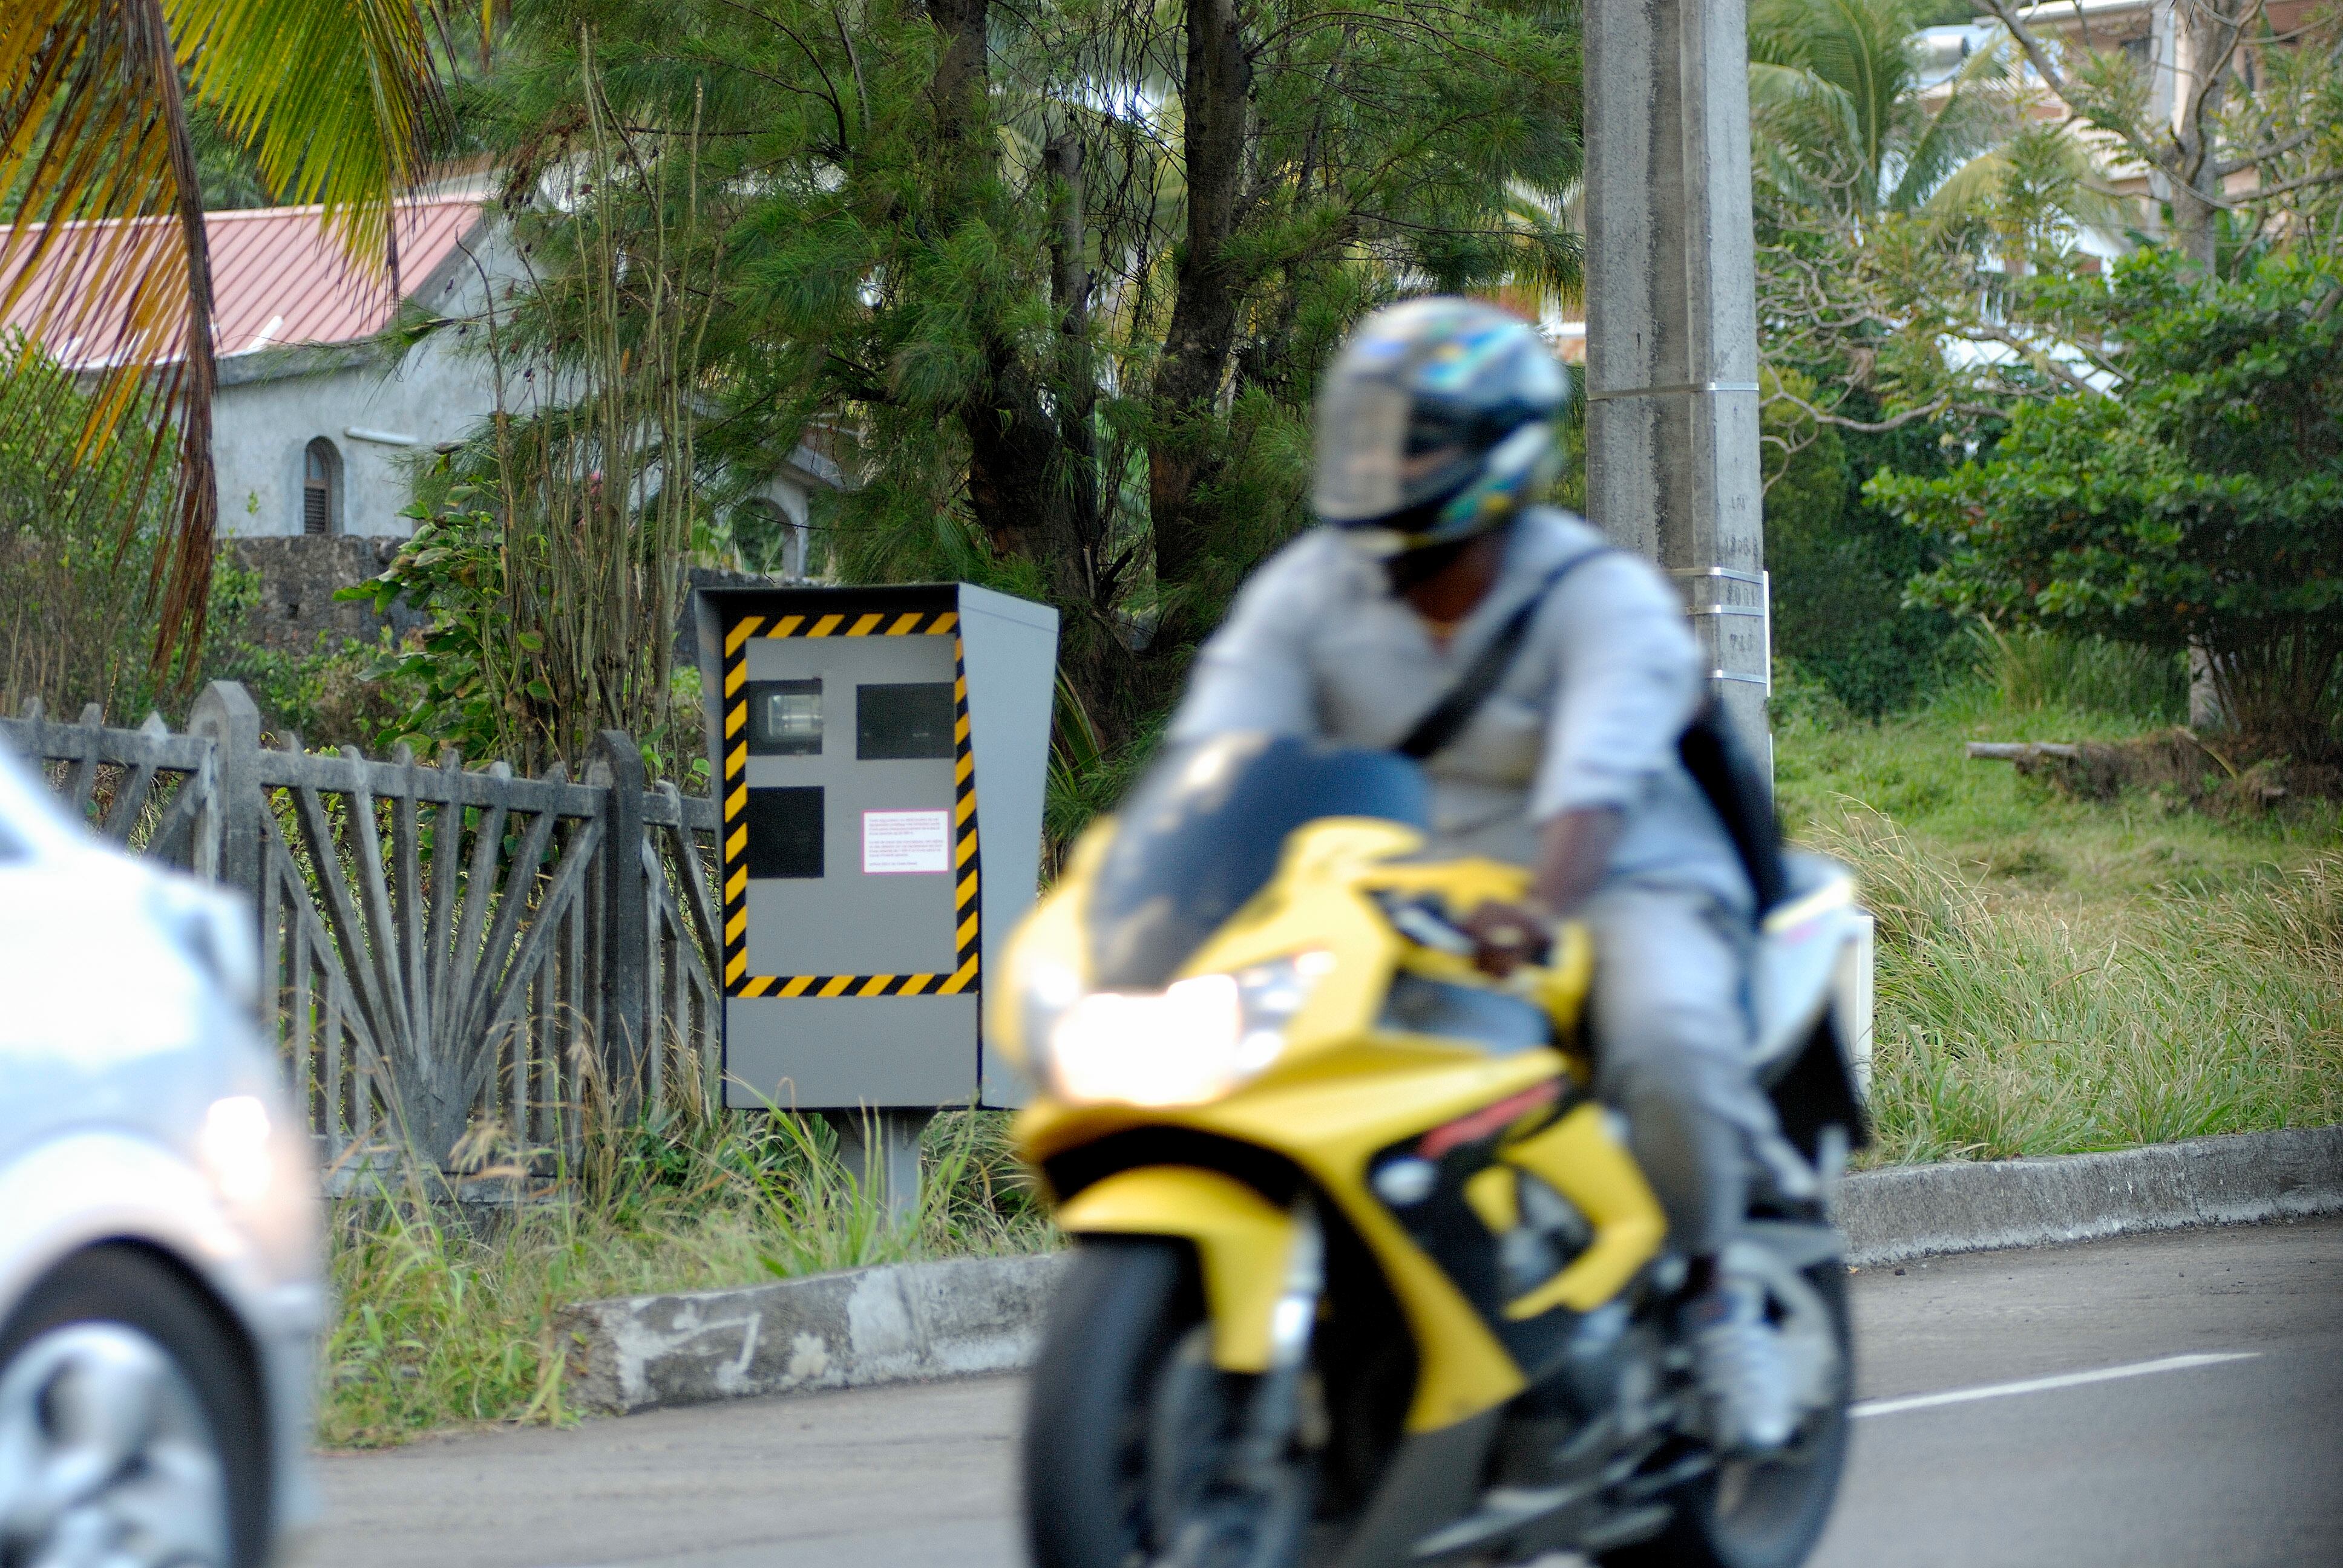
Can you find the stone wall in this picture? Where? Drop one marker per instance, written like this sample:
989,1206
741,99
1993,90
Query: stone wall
299,575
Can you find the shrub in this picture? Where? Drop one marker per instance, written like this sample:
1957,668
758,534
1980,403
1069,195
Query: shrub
77,583
2201,507
75,568
1839,563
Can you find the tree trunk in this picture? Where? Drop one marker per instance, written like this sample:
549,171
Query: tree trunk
187,557
1011,446
2205,714
2205,43
1205,294
1012,441
963,76
1077,496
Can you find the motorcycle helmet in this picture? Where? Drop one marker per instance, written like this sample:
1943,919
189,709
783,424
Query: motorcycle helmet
1435,423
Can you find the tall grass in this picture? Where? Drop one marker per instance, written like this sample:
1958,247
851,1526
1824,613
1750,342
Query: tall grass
2016,1029
2034,670
446,1314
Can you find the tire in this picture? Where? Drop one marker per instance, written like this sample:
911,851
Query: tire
113,1342
1123,1306
1750,1514
1124,1440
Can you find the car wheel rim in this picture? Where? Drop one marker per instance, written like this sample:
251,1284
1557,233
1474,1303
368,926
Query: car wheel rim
106,1457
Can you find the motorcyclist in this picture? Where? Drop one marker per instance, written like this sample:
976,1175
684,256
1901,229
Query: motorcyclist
1435,443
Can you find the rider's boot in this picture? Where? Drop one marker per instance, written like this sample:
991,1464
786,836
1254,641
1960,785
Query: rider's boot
1743,1369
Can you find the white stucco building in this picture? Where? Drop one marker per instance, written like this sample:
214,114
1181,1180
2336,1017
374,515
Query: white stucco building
316,426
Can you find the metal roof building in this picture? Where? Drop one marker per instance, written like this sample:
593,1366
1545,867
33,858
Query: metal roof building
278,279
316,426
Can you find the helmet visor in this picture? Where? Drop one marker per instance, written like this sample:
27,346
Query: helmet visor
1361,428
1378,454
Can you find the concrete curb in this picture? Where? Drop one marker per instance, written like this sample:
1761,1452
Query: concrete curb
905,1322
913,1322
1914,1210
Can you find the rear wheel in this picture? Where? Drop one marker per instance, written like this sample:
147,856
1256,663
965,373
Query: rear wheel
1767,1510
1131,1433
130,1430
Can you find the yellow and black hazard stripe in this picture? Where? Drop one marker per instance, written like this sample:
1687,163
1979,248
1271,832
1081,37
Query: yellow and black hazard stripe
846,623
738,980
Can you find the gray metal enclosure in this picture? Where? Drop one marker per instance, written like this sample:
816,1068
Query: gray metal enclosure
854,732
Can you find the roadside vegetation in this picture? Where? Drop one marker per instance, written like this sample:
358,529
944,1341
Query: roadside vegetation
2058,974
2055,975
446,1314
1054,284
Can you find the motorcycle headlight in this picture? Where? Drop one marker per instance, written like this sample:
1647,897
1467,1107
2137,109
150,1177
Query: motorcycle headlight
1187,1044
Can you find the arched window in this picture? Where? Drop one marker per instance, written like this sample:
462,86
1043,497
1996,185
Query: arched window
321,489
768,540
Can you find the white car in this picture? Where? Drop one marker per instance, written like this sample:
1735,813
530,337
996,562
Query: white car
160,1290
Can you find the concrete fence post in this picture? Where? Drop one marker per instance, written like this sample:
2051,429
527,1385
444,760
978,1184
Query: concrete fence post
226,714
616,762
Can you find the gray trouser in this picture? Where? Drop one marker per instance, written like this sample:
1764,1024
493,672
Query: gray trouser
1672,1040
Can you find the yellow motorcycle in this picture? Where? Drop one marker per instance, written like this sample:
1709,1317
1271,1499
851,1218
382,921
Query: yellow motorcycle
1363,1276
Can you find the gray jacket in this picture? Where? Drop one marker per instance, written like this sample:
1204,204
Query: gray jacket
1588,715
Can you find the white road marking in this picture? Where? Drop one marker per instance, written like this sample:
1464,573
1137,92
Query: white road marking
2043,1384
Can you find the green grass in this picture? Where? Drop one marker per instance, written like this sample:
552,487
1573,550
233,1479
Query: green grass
447,1321
2056,975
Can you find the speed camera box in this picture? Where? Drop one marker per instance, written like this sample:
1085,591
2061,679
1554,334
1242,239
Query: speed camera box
879,756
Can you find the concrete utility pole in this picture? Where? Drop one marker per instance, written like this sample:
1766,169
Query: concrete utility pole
1672,321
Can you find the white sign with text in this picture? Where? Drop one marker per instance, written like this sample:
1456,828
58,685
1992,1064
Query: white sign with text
896,842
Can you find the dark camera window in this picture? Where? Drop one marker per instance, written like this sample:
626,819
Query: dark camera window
785,719
785,832
895,722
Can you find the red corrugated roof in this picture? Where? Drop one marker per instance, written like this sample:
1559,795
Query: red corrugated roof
276,277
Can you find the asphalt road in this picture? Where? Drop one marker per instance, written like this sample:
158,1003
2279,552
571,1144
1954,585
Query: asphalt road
2217,1440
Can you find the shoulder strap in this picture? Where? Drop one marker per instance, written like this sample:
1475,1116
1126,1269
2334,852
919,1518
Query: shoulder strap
1447,718
1738,793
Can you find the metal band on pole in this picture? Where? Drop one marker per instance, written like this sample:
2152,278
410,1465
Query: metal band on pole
1762,611
1689,388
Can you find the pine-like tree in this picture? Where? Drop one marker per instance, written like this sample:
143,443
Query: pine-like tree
1059,279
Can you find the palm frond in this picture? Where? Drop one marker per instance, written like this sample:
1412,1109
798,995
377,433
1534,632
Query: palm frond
1968,124
1840,78
1774,86
1781,168
337,99
93,127
107,269
1970,189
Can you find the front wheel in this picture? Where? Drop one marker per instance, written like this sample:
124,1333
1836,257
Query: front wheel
1133,1439
130,1430
1768,1511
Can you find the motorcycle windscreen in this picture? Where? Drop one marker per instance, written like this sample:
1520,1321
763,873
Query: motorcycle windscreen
1201,833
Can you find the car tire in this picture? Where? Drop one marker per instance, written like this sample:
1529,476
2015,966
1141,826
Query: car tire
118,1372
